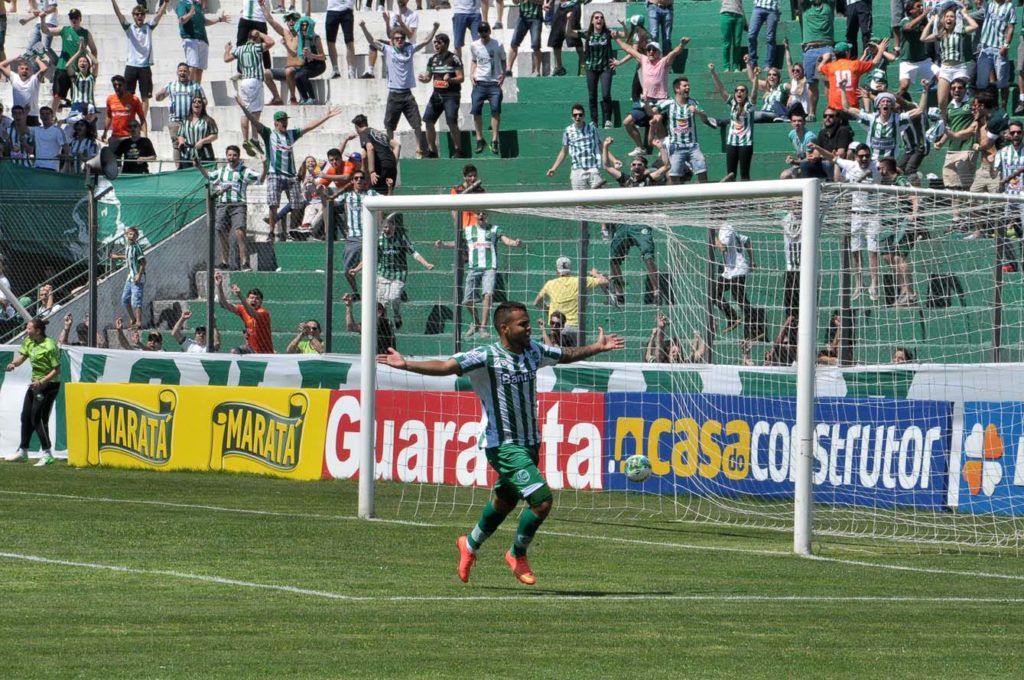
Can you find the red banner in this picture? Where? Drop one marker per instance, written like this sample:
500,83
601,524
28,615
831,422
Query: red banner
431,437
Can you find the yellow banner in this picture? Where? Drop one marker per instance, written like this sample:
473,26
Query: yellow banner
271,431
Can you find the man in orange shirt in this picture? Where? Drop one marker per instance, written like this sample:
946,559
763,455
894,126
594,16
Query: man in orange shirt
122,108
470,185
254,315
843,73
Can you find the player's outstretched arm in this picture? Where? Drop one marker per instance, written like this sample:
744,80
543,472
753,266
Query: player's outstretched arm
604,343
434,367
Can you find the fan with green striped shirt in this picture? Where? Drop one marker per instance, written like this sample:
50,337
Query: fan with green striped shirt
504,377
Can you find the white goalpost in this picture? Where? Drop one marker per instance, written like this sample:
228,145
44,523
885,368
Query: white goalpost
616,205
825,360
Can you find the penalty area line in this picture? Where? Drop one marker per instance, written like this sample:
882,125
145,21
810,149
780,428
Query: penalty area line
524,596
211,508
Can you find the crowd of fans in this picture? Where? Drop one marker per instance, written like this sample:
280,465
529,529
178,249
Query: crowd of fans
876,124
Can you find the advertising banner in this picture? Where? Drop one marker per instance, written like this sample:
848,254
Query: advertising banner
882,453
432,438
278,432
991,470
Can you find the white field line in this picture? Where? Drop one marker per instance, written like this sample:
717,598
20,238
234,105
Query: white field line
587,537
524,595
211,508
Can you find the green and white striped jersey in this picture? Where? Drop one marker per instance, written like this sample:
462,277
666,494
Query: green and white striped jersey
180,95
584,146
953,46
679,121
251,11
392,252
481,245
883,136
506,384
250,60
236,180
133,257
352,203
741,124
280,148
193,130
83,89
998,15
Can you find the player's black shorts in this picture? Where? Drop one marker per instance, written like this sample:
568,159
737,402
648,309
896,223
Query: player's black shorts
242,36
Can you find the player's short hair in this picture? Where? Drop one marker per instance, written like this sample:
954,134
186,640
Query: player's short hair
255,291
680,79
333,153
468,168
360,121
889,163
505,309
232,147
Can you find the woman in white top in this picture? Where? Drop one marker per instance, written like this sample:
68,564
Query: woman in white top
797,88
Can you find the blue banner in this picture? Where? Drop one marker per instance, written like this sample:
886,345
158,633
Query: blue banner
992,465
876,452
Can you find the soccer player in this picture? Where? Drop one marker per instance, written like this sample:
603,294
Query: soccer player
504,377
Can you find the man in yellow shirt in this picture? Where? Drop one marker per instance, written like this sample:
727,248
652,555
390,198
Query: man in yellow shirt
563,295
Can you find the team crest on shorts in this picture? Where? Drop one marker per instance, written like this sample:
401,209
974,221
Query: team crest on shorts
522,476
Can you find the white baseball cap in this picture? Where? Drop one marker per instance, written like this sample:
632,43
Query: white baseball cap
562,265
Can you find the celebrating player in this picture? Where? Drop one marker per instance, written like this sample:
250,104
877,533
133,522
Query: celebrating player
504,377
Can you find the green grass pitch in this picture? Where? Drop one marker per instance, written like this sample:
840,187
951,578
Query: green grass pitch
111,574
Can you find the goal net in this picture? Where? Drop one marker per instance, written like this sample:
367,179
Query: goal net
897,402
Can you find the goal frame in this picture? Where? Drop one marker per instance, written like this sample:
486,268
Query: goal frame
808,190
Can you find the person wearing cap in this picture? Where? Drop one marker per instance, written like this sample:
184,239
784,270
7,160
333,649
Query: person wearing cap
135,151
561,295
70,37
487,73
950,31
843,73
25,85
465,16
885,127
817,30
481,240
993,46
290,40
250,87
197,343
653,68
192,23
281,176
445,72
581,143
138,67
